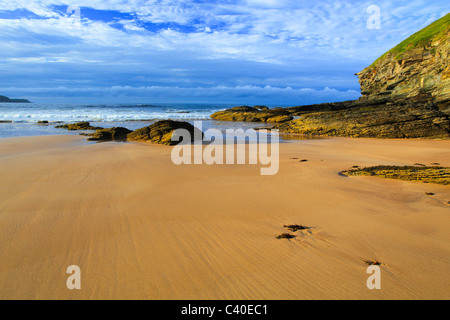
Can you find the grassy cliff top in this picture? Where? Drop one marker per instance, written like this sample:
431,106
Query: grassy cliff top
424,37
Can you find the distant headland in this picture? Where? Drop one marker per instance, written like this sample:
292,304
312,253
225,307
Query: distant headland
8,100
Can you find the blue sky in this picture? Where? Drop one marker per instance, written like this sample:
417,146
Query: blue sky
286,52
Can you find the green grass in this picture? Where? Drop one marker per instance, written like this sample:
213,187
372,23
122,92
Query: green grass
424,37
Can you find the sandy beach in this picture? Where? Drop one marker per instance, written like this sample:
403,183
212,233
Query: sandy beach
140,227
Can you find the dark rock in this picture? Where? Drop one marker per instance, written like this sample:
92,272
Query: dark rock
244,109
285,236
250,114
110,134
161,132
78,126
373,263
296,227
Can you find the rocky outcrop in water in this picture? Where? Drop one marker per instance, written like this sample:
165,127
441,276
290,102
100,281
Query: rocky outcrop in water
79,126
253,114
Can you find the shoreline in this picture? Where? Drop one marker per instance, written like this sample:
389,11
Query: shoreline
17,129
140,227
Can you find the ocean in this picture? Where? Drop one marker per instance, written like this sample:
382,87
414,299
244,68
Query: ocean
21,120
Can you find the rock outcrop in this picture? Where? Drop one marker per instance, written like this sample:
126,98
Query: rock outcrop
110,134
78,126
161,132
253,114
406,119
434,174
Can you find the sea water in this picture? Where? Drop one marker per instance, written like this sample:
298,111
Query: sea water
21,120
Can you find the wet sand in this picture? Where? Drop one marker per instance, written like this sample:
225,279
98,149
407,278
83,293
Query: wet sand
140,227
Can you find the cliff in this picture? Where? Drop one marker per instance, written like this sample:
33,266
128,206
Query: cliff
405,94
417,68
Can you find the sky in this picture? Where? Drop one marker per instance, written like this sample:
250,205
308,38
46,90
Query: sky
286,52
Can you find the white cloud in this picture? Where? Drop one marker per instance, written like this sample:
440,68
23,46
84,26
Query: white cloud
263,30
264,41
218,94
